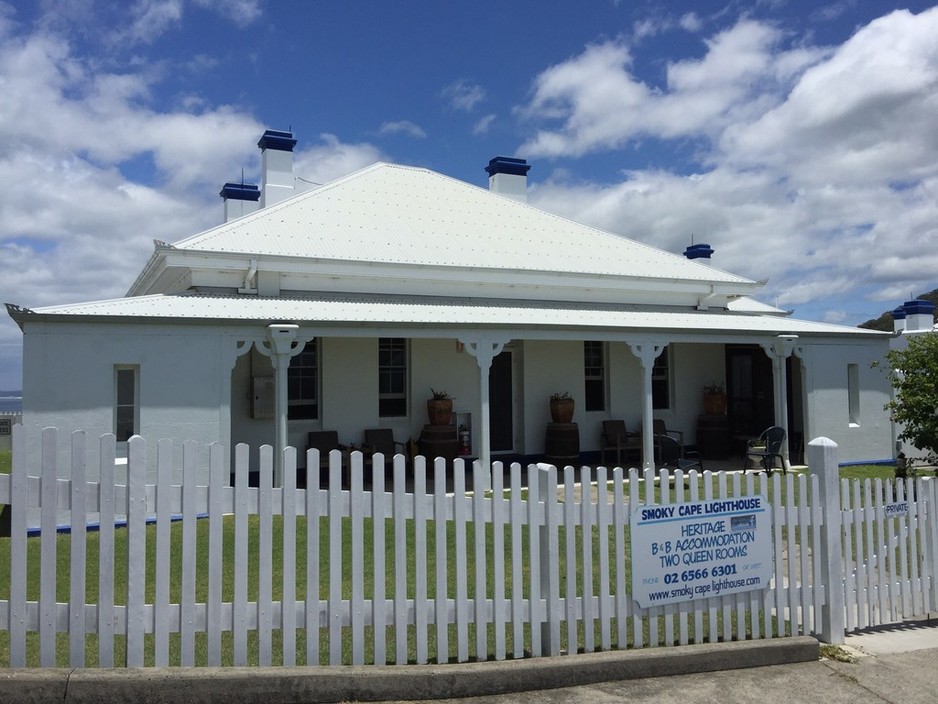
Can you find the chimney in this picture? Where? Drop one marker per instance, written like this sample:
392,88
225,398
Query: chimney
919,315
509,177
240,199
699,251
276,166
898,319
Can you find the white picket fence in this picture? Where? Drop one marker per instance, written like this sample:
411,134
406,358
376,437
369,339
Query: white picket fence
397,576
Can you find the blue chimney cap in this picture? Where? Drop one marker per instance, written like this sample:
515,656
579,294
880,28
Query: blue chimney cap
919,307
277,139
240,191
698,251
507,165
898,313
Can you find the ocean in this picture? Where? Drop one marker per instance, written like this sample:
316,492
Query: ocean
11,401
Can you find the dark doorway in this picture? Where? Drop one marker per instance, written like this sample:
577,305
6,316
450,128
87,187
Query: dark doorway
749,390
501,404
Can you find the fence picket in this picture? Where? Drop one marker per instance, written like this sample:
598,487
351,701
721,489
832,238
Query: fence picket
586,559
421,617
190,556
459,525
216,509
480,618
602,524
535,614
313,619
498,557
379,600
136,550
570,523
288,597
400,512
517,584
620,519
19,500
239,606
357,566
265,544
47,546
441,597
77,549
163,572
106,505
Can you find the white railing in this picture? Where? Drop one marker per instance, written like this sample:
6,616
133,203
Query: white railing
391,575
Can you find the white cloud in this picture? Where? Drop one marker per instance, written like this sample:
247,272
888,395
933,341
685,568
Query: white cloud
690,22
463,95
405,127
483,125
332,159
77,219
151,18
818,165
241,12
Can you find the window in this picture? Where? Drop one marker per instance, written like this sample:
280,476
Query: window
392,377
594,370
661,381
853,394
126,417
303,384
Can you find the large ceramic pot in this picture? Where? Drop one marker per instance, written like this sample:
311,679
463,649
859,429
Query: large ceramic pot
440,411
561,410
714,404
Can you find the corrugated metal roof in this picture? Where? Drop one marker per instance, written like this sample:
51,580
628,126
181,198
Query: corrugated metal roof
403,311
405,215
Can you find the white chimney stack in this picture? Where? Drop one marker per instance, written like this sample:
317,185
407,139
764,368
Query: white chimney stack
276,166
240,199
509,177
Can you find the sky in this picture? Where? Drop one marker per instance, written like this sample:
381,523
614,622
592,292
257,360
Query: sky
799,139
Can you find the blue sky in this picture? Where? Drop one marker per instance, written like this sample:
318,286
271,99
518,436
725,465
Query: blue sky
797,138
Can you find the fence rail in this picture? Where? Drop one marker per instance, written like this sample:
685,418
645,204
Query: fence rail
399,570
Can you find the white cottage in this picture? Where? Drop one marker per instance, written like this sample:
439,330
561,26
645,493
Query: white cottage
341,307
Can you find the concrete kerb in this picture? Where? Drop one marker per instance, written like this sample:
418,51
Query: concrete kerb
291,685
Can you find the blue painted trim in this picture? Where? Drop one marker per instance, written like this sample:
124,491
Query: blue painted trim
277,139
898,313
883,463
118,523
918,307
240,191
698,251
507,165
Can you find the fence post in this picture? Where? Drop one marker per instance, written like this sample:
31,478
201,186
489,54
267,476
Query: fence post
822,461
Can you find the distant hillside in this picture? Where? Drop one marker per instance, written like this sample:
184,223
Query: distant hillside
884,322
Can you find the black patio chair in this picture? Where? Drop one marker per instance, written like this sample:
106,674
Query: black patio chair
671,454
766,448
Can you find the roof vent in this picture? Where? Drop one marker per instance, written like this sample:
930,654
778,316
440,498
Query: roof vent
898,319
509,177
240,199
698,251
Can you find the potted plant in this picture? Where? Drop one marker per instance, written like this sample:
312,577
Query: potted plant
714,399
440,408
561,407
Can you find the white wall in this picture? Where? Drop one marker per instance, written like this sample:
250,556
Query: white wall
825,372
68,379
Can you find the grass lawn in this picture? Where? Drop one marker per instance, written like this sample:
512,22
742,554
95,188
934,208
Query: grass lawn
6,461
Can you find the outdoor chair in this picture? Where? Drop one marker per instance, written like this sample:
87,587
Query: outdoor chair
325,441
766,448
615,438
671,454
382,440
659,428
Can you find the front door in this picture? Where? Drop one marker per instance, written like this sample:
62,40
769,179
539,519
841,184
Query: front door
501,404
749,390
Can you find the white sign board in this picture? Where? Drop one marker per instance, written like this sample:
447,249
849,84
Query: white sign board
898,508
697,550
